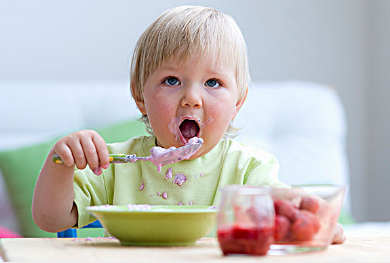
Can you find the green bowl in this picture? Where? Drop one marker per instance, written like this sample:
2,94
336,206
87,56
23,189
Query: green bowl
147,225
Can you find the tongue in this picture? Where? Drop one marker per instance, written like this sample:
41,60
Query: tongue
189,129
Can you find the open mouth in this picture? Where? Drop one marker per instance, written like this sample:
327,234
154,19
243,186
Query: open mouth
189,129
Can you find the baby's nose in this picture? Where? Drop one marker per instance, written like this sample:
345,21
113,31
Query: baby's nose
192,97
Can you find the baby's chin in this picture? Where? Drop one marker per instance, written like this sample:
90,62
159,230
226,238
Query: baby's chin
168,143
205,149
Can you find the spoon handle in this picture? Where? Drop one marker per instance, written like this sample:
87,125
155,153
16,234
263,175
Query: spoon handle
114,158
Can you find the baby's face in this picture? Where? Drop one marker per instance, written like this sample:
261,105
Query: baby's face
190,99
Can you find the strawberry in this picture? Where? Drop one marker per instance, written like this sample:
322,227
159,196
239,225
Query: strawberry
285,208
305,226
310,203
282,226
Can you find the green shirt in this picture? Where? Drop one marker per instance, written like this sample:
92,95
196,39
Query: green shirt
228,163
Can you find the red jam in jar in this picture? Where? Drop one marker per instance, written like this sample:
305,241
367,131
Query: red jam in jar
237,239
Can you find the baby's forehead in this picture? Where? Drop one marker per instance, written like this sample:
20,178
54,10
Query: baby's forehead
215,61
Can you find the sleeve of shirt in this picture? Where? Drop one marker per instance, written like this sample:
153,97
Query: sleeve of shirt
89,190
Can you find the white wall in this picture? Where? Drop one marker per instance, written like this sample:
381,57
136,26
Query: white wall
378,121
338,42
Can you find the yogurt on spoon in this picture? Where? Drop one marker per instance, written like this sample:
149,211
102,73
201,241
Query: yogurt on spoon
160,156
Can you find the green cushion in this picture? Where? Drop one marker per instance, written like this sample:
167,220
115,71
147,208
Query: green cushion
21,167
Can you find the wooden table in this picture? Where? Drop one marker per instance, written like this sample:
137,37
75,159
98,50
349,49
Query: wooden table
355,249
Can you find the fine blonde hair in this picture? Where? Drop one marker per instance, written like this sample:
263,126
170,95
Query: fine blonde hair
181,32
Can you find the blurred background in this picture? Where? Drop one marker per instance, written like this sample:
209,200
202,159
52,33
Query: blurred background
342,43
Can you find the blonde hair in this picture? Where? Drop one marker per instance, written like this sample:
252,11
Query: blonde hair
181,32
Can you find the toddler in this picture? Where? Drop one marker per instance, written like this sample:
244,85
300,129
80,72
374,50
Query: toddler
189,78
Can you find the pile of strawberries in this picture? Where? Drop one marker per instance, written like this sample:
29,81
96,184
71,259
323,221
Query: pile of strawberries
296,223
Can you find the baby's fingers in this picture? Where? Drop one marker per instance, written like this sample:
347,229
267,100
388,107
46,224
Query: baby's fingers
78,153
96,153
65,153
83,148
102,151
90,153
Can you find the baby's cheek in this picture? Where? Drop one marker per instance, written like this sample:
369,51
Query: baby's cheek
161,117
167,110
224,108
214,132
160,110
222,119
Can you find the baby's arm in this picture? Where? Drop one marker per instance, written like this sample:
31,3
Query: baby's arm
53,209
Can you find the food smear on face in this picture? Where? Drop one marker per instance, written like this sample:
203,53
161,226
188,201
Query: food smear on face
186,127
179,179
160,156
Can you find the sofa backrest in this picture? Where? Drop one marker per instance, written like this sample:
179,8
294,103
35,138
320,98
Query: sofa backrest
303,124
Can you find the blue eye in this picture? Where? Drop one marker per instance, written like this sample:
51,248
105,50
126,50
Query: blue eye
172,81
213,83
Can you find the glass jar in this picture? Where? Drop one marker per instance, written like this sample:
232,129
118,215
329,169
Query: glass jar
245,221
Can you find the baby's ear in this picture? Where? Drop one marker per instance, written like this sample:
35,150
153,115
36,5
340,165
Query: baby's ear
239,103
139,101
141,106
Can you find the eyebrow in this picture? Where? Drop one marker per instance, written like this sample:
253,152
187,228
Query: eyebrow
218,72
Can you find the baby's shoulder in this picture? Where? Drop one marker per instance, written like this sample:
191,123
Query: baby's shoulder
243,151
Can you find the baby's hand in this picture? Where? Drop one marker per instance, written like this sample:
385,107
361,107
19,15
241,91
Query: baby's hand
82,148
